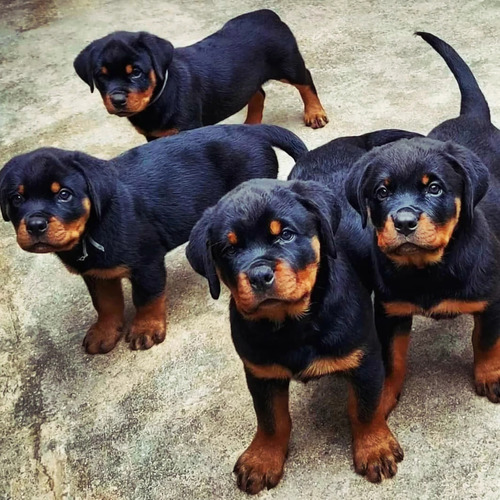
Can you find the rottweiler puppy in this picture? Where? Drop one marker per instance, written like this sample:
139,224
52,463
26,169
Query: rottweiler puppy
163,90
298,311
434,204
108,220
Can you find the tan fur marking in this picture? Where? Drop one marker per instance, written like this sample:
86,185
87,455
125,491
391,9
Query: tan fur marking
314,114
55,187
20,189
444,308
267,371
107,297
104,70
162,133
387,182
425,179
486,364
255,109
394,382
60,236
264,459
292,289
275,227
128,69
150,324
232,238
327,365
111,273
375,450
431,237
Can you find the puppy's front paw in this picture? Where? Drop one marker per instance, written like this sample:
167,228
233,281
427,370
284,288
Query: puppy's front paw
376,455
315,118
488,385
259,468
101,338
144,334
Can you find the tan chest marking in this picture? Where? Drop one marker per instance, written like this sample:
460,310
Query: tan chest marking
318,368
444,308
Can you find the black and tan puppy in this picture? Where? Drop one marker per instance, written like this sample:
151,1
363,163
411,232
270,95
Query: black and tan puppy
435,207
298,311
163,90
108,220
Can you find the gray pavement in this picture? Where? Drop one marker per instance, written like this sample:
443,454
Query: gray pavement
169,423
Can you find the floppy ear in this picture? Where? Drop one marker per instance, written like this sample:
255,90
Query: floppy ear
4,192
100,183
321,201
160,51
474,173
355,187
199,254
84,65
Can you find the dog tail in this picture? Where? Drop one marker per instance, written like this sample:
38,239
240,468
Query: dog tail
282,138
473,100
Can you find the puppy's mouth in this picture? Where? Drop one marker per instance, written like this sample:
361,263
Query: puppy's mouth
409,248
269,303
43,247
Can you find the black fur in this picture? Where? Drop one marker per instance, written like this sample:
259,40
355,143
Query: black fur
234,241
143,202
448,180
206,82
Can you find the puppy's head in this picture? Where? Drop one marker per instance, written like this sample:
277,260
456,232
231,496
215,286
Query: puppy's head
265,240
127,68
48,196
416,192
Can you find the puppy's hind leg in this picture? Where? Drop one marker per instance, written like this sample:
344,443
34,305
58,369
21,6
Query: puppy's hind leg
300,77
256,108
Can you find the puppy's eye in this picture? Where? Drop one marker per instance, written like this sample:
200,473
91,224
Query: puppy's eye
229,251
64,195
287,235
382,193
434,189
136,73
17,200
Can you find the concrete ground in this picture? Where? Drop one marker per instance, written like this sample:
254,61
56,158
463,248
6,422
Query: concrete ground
169,423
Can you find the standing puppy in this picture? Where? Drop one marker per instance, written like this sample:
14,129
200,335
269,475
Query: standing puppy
298,311
108,220
163,90
435,207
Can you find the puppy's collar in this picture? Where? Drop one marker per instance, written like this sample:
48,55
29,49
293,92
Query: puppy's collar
161,91
84,247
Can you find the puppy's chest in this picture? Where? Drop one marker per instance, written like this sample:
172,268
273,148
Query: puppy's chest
437,309
299,355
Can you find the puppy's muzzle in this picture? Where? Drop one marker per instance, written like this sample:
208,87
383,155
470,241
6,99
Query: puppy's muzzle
261,278
36,225
406,221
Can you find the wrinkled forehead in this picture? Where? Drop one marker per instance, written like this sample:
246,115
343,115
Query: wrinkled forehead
33,171
117,54
413,168
252,212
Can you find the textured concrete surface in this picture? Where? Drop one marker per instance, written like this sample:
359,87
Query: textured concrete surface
171,422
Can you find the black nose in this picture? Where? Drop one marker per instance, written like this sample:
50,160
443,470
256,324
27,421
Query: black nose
118,99
36,225
406,221
261,277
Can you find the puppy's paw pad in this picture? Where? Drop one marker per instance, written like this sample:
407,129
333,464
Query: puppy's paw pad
101,339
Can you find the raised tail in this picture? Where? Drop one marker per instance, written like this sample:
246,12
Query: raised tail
281,138
473,100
